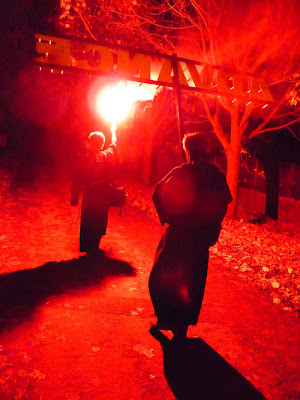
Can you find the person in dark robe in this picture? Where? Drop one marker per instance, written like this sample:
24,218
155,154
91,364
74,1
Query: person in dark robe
192,199
94,172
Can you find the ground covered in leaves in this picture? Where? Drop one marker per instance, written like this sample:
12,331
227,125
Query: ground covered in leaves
72,328
267,255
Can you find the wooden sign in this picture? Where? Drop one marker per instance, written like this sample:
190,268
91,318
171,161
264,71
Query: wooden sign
153,68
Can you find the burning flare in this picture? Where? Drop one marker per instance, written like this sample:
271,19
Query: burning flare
115,102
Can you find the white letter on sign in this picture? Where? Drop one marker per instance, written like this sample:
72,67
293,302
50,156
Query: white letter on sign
54,51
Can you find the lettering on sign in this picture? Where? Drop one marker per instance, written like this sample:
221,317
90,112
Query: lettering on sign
77,54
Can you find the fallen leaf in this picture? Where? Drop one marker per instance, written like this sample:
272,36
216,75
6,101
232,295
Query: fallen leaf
144,350
275,285
36,374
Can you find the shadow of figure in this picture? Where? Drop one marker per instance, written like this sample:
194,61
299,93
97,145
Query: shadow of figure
194,371
22,291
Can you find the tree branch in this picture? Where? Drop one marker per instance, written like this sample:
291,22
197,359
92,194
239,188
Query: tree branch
258,132
83,20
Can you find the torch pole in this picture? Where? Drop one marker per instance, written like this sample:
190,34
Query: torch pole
113,129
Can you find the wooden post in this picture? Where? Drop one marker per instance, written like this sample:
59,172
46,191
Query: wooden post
148,145
178,100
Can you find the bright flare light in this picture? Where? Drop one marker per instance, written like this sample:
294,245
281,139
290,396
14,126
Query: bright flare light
115,102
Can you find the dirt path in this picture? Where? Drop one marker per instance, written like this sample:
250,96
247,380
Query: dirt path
78,329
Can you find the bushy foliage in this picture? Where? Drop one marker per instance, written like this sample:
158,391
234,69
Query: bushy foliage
293,96
136,23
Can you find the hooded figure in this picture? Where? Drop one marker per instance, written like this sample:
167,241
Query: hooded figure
192,199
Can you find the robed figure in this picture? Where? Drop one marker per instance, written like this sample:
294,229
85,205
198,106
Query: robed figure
93,175
192,199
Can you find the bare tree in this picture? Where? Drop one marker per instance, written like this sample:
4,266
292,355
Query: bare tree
257,37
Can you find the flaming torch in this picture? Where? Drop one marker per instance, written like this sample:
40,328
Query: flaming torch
114,102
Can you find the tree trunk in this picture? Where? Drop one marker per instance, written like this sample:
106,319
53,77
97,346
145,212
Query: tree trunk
233,169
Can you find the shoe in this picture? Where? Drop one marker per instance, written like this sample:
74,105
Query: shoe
154,330
179,333
158,335
162,326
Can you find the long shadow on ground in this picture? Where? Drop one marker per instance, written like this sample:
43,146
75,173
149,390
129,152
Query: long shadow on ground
22,291
194,371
